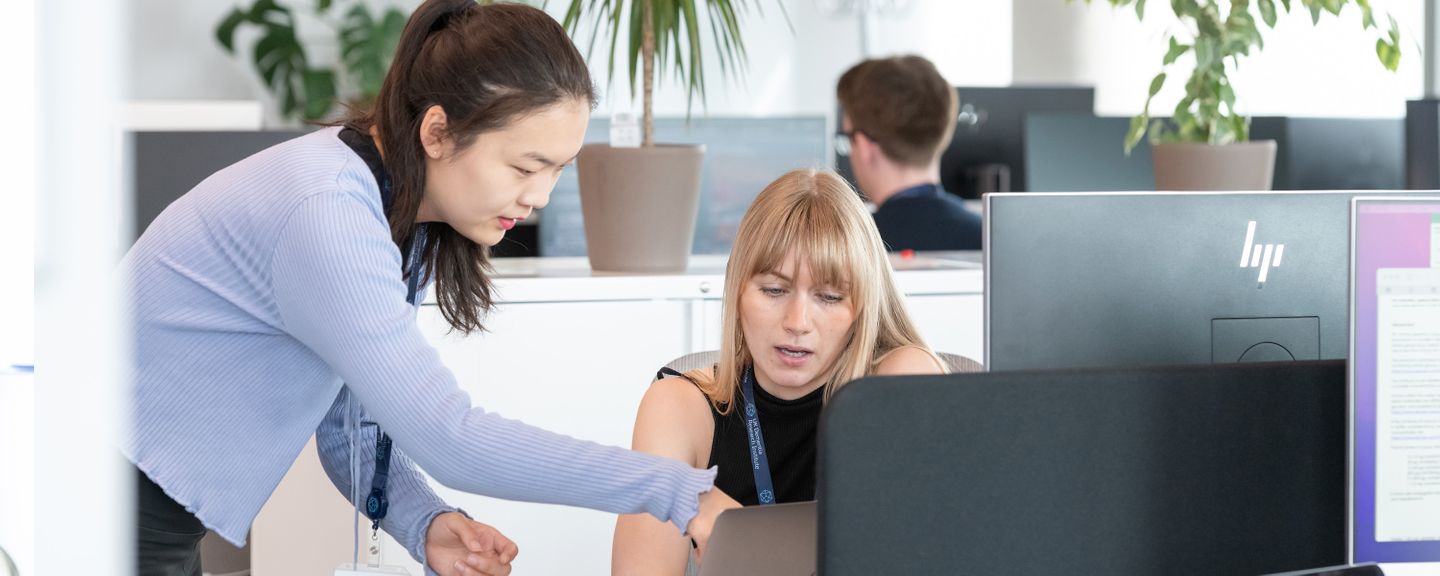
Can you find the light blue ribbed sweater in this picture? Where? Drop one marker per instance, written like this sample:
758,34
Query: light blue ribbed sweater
268,302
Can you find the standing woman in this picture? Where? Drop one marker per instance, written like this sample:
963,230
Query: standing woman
278,299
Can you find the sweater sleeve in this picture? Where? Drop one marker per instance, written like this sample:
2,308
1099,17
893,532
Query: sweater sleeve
337,288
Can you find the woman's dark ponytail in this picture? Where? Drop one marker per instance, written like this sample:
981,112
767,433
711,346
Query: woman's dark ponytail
484,66
398,119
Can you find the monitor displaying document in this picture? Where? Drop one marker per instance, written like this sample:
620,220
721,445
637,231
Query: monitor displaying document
1395,382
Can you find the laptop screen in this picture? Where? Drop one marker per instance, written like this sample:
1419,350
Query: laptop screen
1395,380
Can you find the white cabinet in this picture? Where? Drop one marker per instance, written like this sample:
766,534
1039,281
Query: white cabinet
574,352
577,368
953,323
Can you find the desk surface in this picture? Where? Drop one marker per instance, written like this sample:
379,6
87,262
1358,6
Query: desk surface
708,265
570,279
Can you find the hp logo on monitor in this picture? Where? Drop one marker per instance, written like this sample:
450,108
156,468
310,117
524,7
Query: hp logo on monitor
1262,256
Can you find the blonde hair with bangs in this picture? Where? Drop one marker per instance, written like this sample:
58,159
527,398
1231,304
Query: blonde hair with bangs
816,215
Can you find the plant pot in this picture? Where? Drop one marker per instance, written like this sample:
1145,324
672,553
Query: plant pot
1186,166
639,205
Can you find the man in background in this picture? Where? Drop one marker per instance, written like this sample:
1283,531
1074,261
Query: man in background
898,115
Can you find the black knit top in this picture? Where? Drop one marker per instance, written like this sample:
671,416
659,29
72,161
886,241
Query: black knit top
789,428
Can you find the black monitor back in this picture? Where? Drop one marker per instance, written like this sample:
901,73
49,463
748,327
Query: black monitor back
1070,152
1153,279
990,131
1335,153
1081,152
1211,470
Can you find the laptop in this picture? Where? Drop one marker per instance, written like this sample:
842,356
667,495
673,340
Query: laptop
1394,377
775,540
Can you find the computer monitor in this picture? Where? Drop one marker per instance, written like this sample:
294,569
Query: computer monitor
1070,152
1335,153
1422,144
1145,279
1395,383
1201,470
742,156
169,164
987,153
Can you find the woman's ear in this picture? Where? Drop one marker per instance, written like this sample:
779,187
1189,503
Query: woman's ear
434,136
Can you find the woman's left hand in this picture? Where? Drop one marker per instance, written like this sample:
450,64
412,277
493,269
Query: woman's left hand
458,546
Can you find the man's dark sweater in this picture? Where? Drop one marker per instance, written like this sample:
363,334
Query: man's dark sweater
927,218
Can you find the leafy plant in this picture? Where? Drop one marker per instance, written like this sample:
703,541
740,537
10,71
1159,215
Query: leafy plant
367,44
669,30
1218,37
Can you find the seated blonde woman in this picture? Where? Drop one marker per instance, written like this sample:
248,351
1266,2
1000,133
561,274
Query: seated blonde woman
809,305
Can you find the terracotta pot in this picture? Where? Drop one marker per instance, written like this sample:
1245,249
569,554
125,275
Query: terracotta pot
1185,166
639,205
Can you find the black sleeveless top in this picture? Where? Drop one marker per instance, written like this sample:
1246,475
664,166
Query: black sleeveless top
789,427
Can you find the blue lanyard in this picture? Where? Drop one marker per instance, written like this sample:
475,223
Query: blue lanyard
376,505
759,462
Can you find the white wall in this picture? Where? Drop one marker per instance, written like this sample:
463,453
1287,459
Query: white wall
792,73
174,54
17,289
17,161
84,497
1325,70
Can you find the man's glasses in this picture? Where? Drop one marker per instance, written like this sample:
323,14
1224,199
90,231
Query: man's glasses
844,141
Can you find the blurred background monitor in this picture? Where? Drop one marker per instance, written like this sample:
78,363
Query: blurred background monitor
1145,279
742,156
169,164
987,153
1066,152
1422,144
1335,153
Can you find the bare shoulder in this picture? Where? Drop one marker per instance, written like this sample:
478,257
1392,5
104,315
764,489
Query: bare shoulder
674,421
908,360
676,396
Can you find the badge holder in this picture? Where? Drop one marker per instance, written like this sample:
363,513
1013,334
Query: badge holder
373,502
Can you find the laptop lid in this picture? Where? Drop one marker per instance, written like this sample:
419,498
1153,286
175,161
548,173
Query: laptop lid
1395,383
775,540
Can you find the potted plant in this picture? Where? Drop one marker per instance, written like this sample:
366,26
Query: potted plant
302,90
640,203
1206,144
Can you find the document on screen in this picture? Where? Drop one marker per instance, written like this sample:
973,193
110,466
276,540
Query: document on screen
1407,451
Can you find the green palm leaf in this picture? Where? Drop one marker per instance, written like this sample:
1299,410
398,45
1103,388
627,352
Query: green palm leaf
679,47
1218,33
